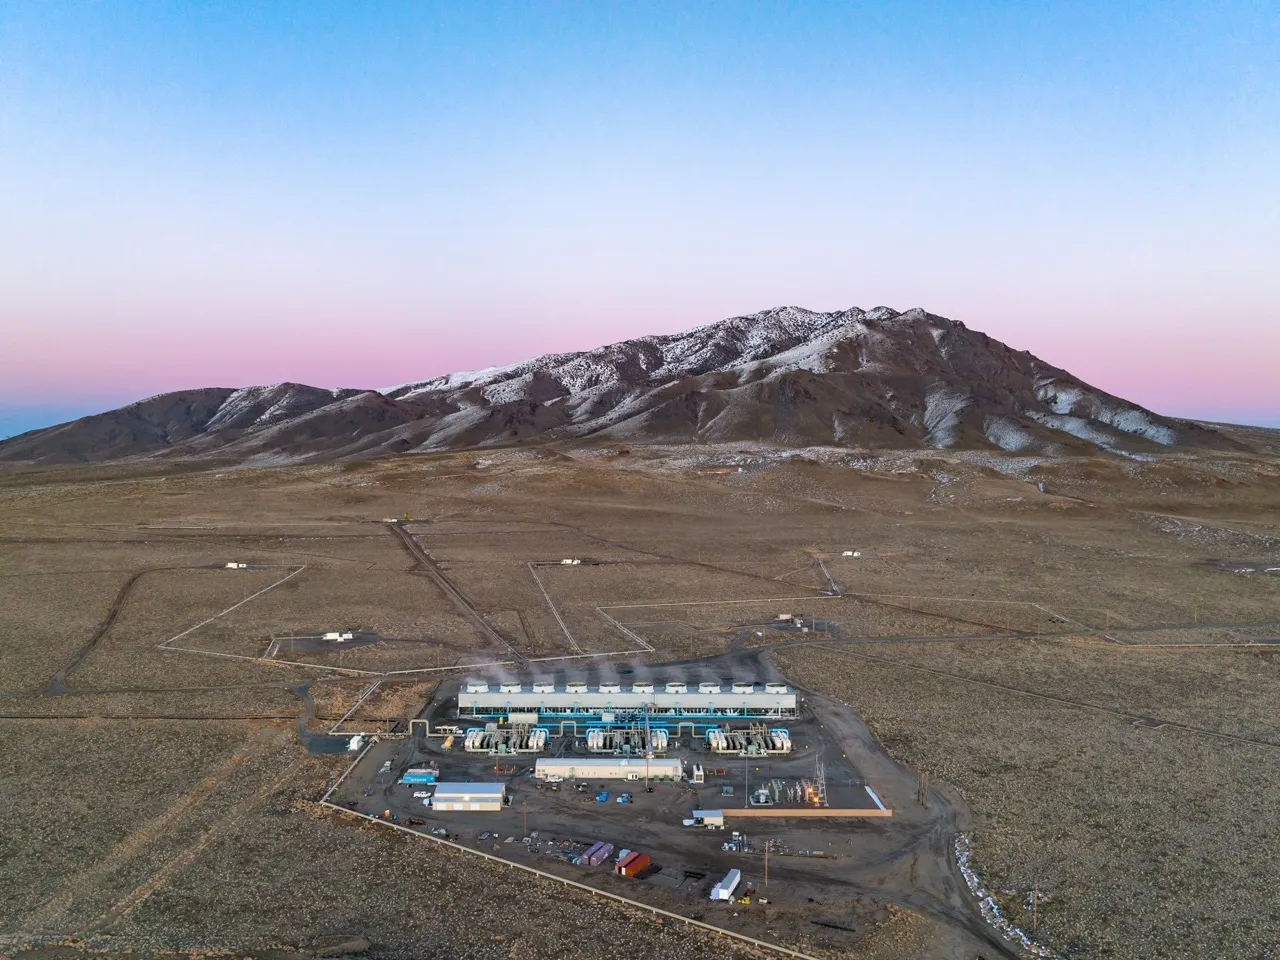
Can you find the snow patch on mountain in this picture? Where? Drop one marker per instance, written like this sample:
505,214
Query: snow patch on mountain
1007,435
943,406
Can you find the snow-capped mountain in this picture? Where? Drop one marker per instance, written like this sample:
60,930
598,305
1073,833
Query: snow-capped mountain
874,378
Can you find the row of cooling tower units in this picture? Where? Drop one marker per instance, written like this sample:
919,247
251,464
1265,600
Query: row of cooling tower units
708,687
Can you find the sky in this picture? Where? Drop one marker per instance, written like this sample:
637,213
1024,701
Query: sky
367,194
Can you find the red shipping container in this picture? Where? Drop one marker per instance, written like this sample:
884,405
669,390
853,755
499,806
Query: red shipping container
621,865
633,865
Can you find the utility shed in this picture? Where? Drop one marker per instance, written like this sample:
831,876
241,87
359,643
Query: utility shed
608,768
468,796
709,818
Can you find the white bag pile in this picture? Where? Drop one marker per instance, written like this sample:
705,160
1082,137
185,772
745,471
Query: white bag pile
987,904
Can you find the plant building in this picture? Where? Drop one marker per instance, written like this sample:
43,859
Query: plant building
468,796
608,768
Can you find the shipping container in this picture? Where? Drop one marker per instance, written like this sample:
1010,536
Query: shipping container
601,855
634,865
621,865
592,851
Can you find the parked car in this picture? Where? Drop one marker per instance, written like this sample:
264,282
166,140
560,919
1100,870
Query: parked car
419,794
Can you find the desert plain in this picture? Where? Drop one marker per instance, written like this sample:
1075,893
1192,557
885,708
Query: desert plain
1081,654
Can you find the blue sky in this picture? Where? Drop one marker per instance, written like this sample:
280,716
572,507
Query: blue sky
352,195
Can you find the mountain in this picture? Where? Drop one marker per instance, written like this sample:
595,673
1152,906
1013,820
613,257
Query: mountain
875,378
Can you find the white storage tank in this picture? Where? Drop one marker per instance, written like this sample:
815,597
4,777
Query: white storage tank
509,688
677,687
708,687
642,688
744,688
660,741
610,688
776,688
477,686
543,686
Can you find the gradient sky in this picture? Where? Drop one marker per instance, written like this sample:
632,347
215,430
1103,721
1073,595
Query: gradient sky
352,194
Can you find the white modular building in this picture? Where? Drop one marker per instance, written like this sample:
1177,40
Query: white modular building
608,768
468,796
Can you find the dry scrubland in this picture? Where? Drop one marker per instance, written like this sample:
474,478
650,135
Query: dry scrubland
186,834
1149,842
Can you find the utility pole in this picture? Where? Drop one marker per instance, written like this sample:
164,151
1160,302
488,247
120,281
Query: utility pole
524,805
767,845
746,792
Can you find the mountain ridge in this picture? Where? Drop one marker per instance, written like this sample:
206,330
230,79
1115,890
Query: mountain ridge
859,378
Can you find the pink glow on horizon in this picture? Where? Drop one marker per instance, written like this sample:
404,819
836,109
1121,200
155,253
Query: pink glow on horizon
1176,375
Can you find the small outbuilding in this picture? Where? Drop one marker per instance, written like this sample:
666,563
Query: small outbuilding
709,818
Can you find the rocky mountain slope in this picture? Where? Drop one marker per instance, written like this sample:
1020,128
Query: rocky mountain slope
876,378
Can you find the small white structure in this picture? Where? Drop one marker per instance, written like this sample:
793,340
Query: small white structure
699,775
784,616
339,635
356,743
709,818
608,768
570,562
482,797
236,565
724,889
